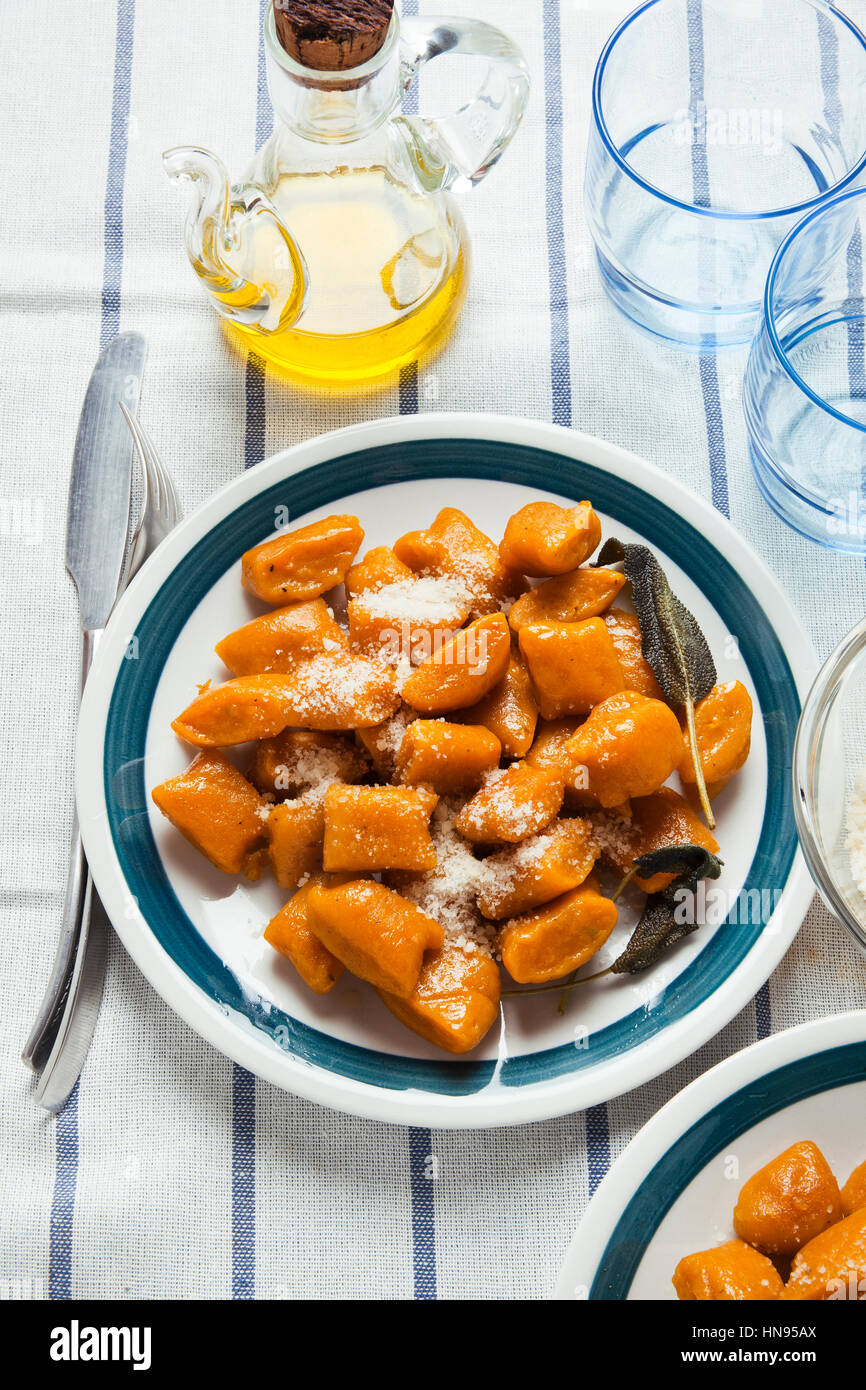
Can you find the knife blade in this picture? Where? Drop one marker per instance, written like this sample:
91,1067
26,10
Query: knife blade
97,527
99,490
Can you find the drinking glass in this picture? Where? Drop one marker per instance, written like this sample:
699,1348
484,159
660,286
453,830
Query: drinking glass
717,124
805,387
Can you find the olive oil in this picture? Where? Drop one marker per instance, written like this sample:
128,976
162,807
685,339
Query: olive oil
387,274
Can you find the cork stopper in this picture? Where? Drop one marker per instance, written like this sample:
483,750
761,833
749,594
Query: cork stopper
332,35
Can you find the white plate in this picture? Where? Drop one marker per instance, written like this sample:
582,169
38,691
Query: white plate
197,935
673,1190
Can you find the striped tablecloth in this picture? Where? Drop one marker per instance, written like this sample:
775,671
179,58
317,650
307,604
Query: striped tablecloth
173,1173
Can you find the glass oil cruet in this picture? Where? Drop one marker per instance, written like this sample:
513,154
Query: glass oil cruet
342,255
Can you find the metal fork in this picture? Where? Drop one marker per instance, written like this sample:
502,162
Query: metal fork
69,1011
160,508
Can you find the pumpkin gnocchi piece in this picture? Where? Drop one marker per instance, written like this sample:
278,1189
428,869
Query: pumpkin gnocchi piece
627,747
378,828
255,863
296,833
732,1273
455,1001
276,640
573,666
723,726
625,634
509,711
410,619
833,1264
448,757
302,564
382,742
298,759
462,671
788,1202
561,937
550,746
380,566
655,822
328,692
537,870
854,1191
454,546
544,538
290,934
514,802
567,598
376,933
214,807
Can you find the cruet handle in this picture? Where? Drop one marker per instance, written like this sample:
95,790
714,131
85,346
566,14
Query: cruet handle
460,148
270,298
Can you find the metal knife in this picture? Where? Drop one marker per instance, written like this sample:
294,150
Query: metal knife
97,527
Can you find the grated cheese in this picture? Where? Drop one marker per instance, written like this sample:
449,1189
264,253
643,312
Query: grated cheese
427,600
855,824
448,893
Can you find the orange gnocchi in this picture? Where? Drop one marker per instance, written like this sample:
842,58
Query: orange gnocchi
441,762
791,1217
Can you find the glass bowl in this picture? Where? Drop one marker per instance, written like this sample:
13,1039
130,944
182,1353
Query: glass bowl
829,755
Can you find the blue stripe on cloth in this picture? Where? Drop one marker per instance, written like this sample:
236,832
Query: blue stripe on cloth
856,344
422,1173
409,389
243,1183
113,231
256,416
243,1082
63,1200
597,1145
828,41
763,1012
264,111
828,46
66,1131
560,355
707,362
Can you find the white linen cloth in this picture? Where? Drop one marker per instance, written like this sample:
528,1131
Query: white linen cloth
177,1176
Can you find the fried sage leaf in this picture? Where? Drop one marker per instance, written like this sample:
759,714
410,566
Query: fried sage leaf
672,641
688,863
661,924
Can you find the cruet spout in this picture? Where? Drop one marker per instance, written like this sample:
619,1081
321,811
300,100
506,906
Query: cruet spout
244,256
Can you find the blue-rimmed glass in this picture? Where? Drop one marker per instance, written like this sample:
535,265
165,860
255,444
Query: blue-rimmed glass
717,124
805,388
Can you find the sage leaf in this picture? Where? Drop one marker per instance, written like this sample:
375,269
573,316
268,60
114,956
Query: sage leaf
660,926
688,863
657,930
672,642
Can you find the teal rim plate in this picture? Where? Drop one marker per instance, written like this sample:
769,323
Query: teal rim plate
197,935
672,1190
